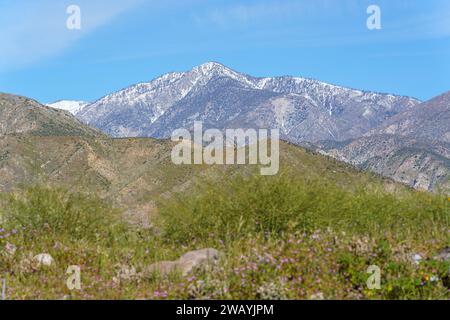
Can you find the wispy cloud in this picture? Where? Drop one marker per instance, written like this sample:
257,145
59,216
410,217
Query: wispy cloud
402,20
32,31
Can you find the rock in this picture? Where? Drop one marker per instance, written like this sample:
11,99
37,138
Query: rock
187,263
443,255
194,259
44,259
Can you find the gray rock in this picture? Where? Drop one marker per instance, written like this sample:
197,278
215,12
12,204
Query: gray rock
443,255
195,259
187,263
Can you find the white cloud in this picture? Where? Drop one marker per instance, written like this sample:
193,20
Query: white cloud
32,31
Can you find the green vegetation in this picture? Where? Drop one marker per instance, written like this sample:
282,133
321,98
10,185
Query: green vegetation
285,203
283,237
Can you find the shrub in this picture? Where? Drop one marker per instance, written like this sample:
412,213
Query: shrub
242,207
57,213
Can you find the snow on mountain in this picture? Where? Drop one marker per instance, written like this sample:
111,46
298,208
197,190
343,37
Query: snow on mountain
72,106
304,109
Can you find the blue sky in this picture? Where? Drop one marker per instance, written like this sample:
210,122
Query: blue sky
123,42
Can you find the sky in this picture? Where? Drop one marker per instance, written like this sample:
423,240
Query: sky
123,42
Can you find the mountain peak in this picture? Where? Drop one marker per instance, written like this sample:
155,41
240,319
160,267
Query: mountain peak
210,66
210,69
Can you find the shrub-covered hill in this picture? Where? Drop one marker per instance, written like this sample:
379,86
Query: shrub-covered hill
134,173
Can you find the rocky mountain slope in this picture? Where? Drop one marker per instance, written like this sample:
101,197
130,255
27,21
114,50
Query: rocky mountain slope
415,162
304,109
412,147
429,120
20,115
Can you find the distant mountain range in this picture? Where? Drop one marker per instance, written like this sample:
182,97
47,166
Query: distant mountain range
304,109
395,136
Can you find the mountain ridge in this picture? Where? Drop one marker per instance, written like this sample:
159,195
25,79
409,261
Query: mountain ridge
412,147
22,115
133,110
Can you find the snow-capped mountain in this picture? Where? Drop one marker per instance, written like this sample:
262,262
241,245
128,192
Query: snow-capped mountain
72,106
304,109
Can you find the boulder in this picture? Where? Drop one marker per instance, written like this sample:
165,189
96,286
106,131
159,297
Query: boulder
194,259
186,263
443,255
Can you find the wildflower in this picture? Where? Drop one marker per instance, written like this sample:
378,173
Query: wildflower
434,279
10,248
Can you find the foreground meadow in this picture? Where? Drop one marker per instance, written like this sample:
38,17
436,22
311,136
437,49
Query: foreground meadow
278,237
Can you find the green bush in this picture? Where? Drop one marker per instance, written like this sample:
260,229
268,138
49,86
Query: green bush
244,207
57,213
